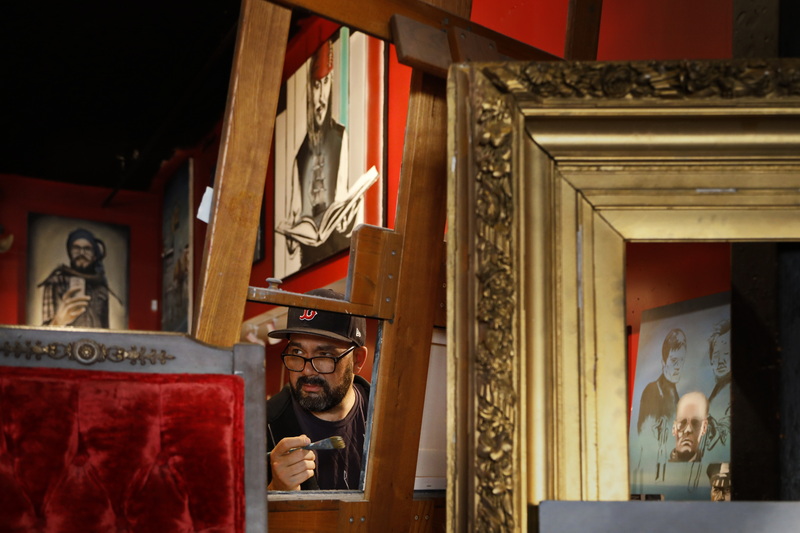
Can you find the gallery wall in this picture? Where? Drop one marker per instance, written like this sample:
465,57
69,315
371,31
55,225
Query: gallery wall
629,30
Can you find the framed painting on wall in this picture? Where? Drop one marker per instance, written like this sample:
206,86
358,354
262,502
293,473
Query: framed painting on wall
77,272
176,252
328,134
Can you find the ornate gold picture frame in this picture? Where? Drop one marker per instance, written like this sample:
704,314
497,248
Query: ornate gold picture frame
555,166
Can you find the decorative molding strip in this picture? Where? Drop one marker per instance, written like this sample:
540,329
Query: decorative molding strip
85,351
495,366
665,80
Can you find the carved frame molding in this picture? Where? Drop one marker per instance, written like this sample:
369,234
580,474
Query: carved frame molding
85,351
554,166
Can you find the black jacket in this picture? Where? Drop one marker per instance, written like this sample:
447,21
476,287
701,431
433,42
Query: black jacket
282,423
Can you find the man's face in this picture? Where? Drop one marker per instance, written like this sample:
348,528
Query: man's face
690,425
721,356
672,366
320,97
81,254
314,391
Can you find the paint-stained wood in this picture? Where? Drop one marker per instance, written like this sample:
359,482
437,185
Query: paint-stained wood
241,171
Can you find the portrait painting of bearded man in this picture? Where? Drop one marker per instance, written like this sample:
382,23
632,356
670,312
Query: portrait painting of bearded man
77,273
328,133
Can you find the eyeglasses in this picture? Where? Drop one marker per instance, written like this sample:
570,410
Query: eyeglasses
682,425
82,249
322,364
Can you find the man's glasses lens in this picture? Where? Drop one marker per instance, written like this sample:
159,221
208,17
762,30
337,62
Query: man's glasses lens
323,365
695,423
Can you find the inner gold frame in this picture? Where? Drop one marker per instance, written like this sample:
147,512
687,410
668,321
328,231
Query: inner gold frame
555,166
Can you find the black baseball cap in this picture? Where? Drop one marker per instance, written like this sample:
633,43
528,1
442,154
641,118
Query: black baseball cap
338,326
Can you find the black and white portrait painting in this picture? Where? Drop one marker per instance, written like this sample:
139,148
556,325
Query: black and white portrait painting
77,272
321,168
680,417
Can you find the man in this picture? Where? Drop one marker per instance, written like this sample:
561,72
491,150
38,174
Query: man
689,427
660,397
324,398
659,400
320,171
77,295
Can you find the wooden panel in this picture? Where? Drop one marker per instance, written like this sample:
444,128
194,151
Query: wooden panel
241,171
307,521
422,520
583,29
406,340
299,516
374,268
433,50
356,517
320,516
421,46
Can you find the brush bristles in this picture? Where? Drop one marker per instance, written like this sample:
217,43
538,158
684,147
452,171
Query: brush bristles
338,443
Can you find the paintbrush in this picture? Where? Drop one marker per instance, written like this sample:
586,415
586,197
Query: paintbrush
331,443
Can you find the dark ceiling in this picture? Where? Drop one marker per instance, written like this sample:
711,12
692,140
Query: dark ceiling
101,92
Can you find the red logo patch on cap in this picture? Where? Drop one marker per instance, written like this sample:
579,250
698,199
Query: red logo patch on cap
308,314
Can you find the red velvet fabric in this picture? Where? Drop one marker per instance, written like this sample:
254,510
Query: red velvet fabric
84,451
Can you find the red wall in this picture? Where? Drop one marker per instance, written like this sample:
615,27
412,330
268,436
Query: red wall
666,29
539,23
629,29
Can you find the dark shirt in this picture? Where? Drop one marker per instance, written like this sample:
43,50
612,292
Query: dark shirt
283,422
659,401
338,469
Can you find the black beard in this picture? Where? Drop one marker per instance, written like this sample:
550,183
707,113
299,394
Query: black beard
83,270
328,398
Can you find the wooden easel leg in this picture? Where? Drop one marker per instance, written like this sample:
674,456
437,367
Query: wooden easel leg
406,340
241,171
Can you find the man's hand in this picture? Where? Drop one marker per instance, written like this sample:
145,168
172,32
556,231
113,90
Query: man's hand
70,307
289,469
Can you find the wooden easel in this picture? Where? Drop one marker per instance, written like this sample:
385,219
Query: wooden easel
412,254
